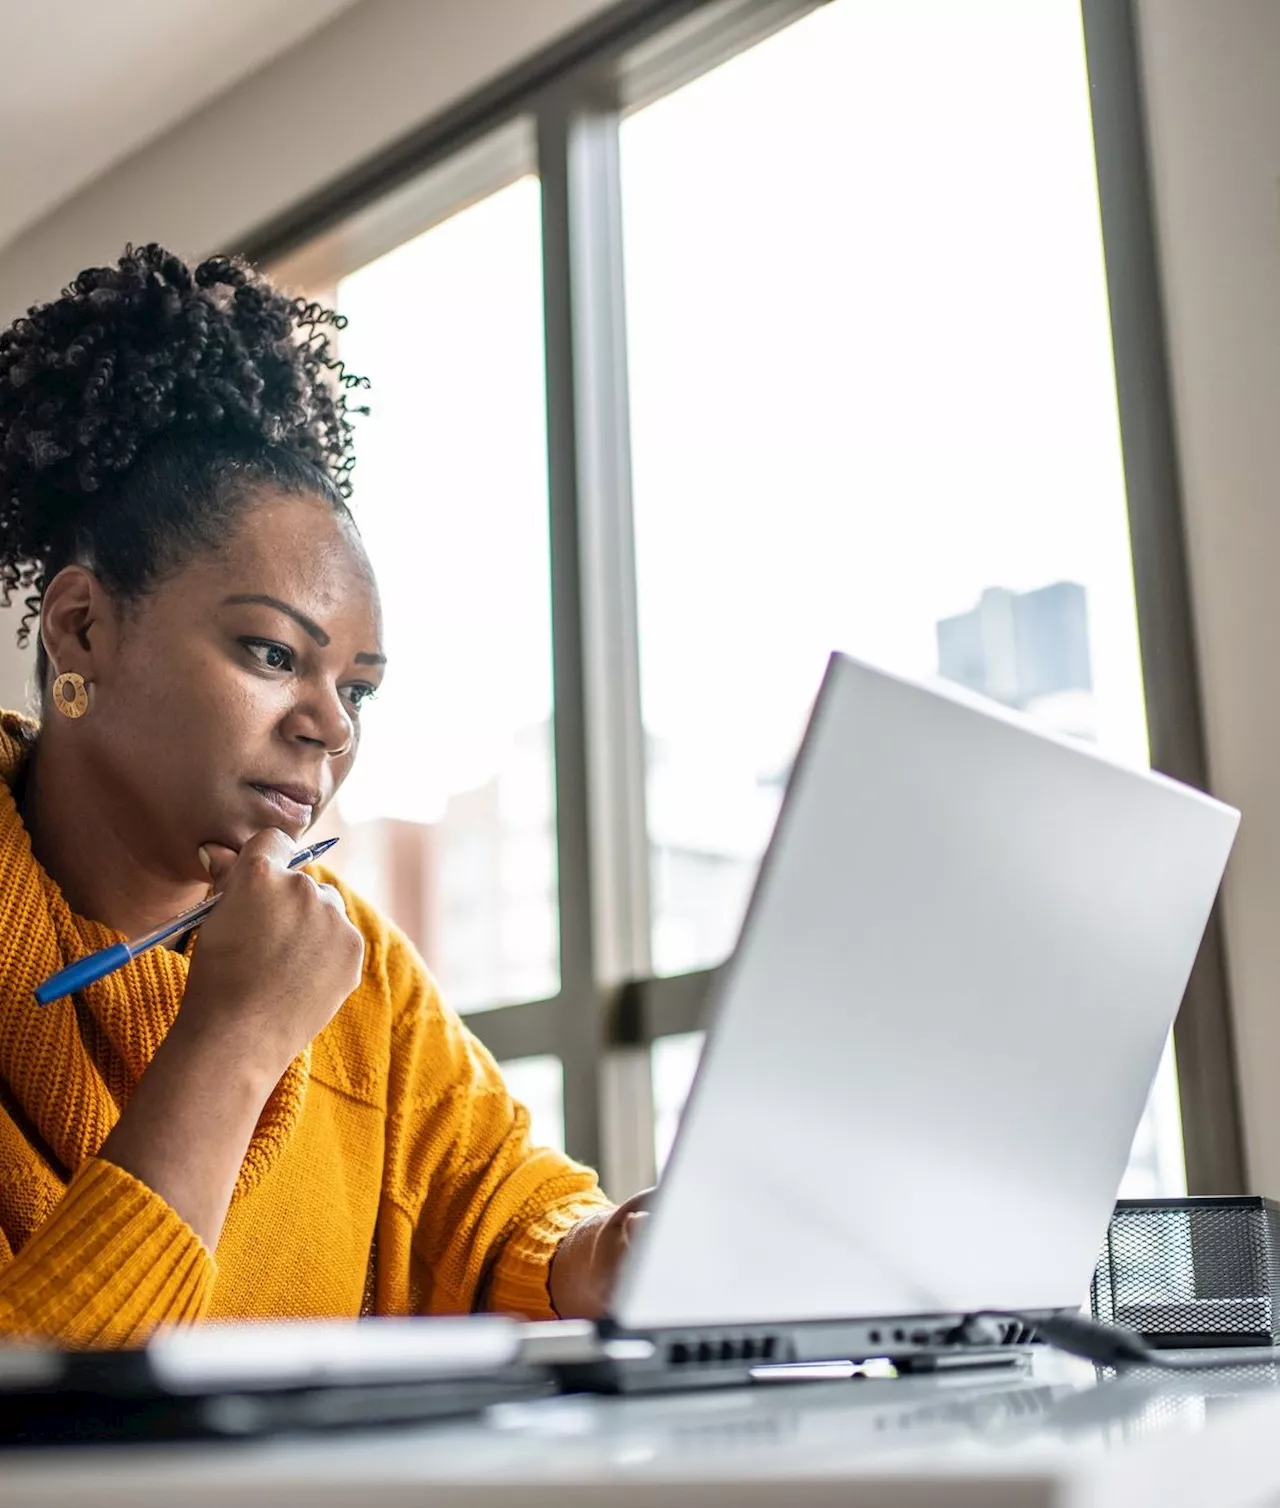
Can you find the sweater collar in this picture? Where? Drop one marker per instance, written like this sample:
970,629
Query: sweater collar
72,1065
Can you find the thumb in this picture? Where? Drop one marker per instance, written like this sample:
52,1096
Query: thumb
217,861
633,1225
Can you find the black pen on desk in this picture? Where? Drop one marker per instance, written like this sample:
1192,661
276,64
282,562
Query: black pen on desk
107,960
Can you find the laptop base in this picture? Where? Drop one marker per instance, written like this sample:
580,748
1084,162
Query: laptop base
678,1360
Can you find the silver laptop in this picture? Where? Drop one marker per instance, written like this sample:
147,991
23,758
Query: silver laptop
930,1052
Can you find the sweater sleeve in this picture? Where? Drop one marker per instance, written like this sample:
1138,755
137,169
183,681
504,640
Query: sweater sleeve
488,1208
111,1262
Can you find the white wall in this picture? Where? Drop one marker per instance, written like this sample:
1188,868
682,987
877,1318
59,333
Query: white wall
1212,80
368,77
348,90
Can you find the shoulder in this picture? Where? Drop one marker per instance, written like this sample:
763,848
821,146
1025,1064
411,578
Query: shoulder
392,965
19,730
17,740
395,984
375,927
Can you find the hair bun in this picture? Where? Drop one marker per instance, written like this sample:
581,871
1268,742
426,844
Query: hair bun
149,348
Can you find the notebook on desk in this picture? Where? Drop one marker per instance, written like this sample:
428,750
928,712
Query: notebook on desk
929,1054
234,1381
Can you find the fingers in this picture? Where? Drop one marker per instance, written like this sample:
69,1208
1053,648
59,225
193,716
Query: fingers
271,845
627,1220
633,1226
330,894
217,860
637,1202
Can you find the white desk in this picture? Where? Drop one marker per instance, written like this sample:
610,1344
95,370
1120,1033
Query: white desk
1048,1437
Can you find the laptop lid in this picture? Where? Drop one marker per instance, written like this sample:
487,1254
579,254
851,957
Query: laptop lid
931,1050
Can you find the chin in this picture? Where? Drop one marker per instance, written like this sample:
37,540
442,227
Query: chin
232,829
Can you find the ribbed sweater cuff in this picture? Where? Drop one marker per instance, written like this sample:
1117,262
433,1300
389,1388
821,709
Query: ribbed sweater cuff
110,1263
521,1275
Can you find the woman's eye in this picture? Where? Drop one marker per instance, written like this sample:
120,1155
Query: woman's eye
360,694
270,655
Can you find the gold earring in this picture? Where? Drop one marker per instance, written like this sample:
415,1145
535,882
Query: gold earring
70,696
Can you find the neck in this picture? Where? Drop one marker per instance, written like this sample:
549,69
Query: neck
88,846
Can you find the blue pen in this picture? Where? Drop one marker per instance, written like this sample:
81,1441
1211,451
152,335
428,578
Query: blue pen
98,965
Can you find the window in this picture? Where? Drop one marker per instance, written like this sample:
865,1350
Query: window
859,456
673,394
873,409
538,1084
675,1061
448,819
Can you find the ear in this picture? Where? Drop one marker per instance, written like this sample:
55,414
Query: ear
78,624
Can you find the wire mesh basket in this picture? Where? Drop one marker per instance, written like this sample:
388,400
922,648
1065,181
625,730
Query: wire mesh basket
1192,1272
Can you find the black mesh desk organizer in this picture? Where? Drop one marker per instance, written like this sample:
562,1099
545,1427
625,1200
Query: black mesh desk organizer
1192,1272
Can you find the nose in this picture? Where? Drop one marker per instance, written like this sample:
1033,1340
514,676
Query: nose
321,719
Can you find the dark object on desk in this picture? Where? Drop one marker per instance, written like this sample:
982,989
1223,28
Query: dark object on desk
238,1381
94,1418
1192,1272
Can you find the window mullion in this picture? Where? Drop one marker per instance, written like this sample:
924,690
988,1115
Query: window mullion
599,740
1212,1133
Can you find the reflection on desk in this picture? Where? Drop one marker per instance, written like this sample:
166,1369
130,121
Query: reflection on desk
1054,1433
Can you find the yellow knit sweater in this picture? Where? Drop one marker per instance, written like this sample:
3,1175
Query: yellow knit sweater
390,1172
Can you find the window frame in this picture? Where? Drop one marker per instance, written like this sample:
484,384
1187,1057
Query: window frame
610,1008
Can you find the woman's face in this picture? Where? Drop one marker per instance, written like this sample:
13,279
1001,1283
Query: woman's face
227,700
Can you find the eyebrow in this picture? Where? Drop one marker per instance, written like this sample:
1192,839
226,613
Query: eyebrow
308,625
311,627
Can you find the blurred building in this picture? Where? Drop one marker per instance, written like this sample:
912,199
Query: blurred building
1028,650
490,927
477,889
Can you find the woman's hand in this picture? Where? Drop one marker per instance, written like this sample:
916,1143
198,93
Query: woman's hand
276,959
585,1266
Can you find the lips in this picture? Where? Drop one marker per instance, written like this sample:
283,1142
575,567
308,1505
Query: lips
295,803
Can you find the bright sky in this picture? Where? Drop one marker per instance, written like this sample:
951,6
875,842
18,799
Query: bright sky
871,368
451,495
871,375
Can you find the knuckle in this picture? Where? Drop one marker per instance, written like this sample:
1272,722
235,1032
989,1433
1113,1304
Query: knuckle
311,888
256,865
270,849
333,899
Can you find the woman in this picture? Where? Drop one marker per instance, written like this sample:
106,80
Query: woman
276,1117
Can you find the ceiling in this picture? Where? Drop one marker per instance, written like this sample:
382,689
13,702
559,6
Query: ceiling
87,83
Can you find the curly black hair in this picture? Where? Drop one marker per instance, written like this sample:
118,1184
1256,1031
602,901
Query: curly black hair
141,409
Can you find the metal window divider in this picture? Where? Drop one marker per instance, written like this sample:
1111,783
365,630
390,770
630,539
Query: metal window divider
600,758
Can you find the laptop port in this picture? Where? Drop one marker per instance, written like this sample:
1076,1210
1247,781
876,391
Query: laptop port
679,1354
